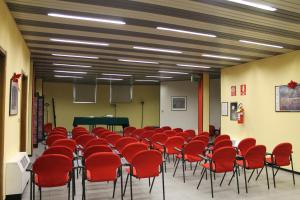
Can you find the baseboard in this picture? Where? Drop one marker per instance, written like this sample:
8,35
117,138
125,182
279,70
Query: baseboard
14,197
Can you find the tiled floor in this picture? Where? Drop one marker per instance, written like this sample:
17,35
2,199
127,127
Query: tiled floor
177,190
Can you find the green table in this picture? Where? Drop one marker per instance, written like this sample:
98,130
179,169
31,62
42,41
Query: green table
109,121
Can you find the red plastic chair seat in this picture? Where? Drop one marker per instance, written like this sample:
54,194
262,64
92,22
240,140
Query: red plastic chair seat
190,158
55,182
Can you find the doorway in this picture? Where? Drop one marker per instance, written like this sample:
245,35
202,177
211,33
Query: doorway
2,99
23,124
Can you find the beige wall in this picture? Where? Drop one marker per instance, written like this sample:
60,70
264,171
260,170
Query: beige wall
17,60
206,102
261,120
66,109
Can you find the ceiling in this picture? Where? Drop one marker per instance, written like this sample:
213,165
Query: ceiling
228,21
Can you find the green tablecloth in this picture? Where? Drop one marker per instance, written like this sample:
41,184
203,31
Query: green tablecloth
112,121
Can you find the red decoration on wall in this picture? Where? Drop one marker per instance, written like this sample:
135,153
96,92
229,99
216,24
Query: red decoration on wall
243,89
292,84
233,90
16,77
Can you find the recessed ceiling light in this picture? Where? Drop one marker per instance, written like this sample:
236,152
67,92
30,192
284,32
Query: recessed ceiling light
106,74
171,72
110,79
69,72
183,31
69,65
74,56
256,5
61,76
159,77
193,66
221,57
145,80
138,61
79,42
157,49
261,44
87,18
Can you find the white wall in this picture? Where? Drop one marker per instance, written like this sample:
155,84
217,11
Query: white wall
184,119
215,103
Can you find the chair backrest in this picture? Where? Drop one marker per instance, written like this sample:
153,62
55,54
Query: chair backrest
79,128
102,166
159,137
98,129
122,142
224,159
159,130
194,148
130,150
202,138
178,130
222,137
255,156
223,143
60,128
128,130
282,153
96,141
60,132
48,128
106,133
172,142
147,134
84,139
53,138
113,138
95,149
62,150
76,134
166,128
148,128
245,144
185,135
52,170
71,144
146,163
137,133
191,132
170,133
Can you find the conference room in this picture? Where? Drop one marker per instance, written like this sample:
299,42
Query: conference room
149,99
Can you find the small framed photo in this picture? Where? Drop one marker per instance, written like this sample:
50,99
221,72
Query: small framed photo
178,103
224,108
233,111
233,90
13,98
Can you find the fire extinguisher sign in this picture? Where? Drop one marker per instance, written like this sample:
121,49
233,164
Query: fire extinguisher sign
243,89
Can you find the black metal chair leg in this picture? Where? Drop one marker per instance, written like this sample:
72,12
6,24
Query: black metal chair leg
259,173
152,185
251,175
125,184
237,181
191,165
163,182
211,184
231,178
202,174
293,173
115,183
131,195
222,179
195,167
183,169
121,174
40,191
177,162
69,187
33,190
274,182
245,176
267,177
30,185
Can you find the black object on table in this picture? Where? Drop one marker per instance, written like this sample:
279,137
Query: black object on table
109,121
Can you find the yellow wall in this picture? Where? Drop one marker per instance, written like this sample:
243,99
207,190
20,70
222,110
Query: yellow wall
205,102
66,109
17,60
261,120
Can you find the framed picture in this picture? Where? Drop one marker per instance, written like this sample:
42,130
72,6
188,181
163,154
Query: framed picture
287,99
233,90
224,108
178,103
233,109
13,99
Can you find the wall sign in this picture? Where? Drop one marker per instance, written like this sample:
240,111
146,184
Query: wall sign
224,108
243,89
13,99
233,90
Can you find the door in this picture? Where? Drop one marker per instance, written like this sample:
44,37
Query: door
23,125
2,91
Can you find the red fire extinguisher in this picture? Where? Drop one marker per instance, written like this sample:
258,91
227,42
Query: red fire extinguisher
240,114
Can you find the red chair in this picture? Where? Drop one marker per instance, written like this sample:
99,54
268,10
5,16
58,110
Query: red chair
51,139
112,139
83,140
130,150
149,128
221,137
120,145
60,128
158,140
202,138
59,132
166,128
96,141
128,130
98,132
137,133
159,130
146,164
79,128
47,128
178,130
189,153
281,156
185,135
71,144
79,133
171,144
191,132
104,134
254,159
222,161
218,145
245,144
146,135
62,150
102,167
96,129
170,133
52,170
95,149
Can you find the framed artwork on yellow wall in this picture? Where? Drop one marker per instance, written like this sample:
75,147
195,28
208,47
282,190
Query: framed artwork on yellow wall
178,103
287,99
224,108
233,111
13,98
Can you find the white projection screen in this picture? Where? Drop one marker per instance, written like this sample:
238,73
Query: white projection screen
120,94
84,93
